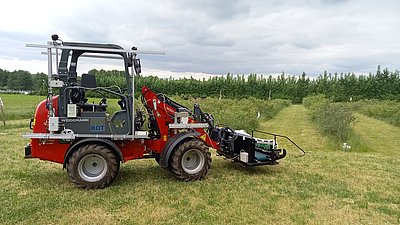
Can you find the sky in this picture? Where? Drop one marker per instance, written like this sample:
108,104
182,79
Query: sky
210,37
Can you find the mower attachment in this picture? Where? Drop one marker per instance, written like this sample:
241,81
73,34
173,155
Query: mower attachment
239,146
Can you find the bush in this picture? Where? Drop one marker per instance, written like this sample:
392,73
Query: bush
332,118
386,110
268,109
335,119
297,100
315,102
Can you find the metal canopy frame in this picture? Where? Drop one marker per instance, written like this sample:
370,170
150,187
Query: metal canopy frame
105,50
92,52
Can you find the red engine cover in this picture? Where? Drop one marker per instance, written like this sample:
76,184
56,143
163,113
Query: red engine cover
41,114
50,150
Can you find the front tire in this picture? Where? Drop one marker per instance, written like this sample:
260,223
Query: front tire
191,160
157,158
93,166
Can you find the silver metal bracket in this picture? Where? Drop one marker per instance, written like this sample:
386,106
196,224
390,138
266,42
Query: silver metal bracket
70,136
187,126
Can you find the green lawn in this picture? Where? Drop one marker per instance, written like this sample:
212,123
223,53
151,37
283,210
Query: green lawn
343,187
326,186
18,106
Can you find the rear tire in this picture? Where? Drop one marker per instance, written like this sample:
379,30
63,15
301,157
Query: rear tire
191,160
93,166
157,158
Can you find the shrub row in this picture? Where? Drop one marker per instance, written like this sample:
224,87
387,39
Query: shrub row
332,118
385,110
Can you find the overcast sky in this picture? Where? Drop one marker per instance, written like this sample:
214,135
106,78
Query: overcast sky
214,37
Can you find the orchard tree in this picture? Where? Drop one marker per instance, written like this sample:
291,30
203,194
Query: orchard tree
20,80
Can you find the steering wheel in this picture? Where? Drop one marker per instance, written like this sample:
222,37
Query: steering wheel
227,134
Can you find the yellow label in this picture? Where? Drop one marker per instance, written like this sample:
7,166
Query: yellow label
203,137
165,137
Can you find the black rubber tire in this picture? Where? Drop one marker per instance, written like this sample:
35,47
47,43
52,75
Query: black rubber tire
157,158
104,154
175,162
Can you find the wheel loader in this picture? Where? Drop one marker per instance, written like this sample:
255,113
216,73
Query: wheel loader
91,143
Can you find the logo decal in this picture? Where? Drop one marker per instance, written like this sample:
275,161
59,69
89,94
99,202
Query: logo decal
97,126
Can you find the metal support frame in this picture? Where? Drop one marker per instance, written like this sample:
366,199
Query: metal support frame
105,50
90,55
48,136
279,135
50,53
187,126
133,95
49,78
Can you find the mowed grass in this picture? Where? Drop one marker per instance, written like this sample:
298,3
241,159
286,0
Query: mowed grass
380,136
326,186
344,187
18,106
17,110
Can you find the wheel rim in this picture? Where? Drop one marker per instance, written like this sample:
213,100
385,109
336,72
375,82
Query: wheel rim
192,161
92,168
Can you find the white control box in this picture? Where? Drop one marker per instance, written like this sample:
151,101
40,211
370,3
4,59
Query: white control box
56,83
244,157
71,110
141,133
53,124
185,120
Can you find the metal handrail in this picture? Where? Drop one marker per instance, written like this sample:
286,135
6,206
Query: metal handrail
279,135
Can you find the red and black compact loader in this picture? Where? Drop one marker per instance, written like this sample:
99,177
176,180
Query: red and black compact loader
91,144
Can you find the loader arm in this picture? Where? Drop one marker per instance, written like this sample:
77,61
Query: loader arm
165,120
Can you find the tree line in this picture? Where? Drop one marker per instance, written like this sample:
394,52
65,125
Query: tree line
383,84
21,80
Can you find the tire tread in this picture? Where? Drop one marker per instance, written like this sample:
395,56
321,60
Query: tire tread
175,161
111,160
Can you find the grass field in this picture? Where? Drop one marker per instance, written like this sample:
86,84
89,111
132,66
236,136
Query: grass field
326,186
